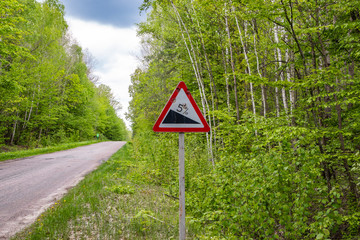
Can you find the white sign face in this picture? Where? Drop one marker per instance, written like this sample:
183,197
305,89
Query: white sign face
181,114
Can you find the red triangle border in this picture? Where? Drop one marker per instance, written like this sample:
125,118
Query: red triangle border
157,127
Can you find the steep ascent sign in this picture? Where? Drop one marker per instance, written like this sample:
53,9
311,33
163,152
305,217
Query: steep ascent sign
181,114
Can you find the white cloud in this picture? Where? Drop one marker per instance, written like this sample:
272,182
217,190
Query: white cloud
115,51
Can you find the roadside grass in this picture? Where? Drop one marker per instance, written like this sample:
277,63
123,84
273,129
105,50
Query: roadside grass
14,153
114,202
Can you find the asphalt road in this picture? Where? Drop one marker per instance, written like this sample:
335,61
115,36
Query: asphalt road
30,185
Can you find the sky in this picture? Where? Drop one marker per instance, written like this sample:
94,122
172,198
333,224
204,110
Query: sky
107,29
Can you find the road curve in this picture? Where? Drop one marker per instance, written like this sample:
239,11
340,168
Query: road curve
30,185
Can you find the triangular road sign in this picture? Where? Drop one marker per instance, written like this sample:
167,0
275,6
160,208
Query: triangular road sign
181,114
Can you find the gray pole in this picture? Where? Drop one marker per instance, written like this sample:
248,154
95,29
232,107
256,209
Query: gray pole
182,230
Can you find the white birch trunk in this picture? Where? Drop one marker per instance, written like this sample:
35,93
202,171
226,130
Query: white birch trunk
232,66
288,76
14,130
195,66
212,82
227,78
247,62
258,70
277,104
279,60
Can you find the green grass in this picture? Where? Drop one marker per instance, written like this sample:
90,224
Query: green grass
14,153
114,202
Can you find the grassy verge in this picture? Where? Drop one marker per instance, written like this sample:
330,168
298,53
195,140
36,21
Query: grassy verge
113,202
31,152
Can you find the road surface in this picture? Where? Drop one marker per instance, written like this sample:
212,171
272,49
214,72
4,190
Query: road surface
30,185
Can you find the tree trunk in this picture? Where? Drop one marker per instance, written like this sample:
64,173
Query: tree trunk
232,67
14,130
195,64
211,76
277,102
258,70
225,60
289,71
248,65
279,60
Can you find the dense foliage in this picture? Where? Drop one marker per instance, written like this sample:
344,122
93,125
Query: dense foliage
47,90
279,84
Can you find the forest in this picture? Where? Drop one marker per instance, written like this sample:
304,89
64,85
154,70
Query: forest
48,91
278,82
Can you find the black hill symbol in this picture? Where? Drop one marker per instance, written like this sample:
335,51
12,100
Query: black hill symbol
174,117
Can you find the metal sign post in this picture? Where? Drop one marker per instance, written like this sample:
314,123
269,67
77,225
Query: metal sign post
181,114
182,229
